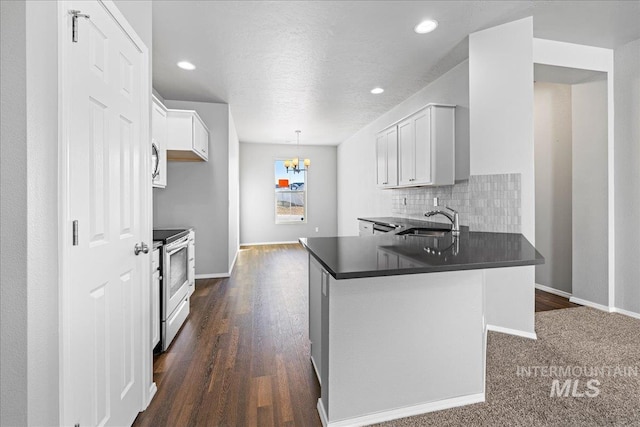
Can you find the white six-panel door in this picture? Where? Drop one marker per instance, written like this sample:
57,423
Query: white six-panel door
102,305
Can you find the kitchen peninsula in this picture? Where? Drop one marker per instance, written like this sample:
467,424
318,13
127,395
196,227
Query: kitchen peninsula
397,321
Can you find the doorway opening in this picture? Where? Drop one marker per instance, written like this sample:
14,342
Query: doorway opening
571,179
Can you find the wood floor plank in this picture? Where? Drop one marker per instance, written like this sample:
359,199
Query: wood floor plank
242,357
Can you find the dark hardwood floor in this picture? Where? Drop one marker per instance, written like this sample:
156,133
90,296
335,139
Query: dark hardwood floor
546,301
242,357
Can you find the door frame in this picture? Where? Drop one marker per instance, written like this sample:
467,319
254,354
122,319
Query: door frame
64,227
562,54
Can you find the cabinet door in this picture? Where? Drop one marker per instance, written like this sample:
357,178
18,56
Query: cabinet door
421,123
155,298
201,138
381,158
159,137
392,157
406,150
317,280
365,228
155,309
191,256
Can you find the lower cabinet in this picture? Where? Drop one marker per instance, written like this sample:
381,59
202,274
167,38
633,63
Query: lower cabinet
191,259
155,298
365,228
318,282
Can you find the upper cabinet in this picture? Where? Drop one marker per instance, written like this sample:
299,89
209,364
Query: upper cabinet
387,157
188,136
425,148
159,143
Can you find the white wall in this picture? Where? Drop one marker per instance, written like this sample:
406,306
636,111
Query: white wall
257,198
501,120
197,193
29,334
139,14
627,175
234,191
357,192
590,195
501,104
13,215
42,155
552,140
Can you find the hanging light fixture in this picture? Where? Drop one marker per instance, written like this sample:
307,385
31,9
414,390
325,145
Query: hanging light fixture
294,163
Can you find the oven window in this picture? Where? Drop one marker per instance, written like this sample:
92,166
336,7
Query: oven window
178,275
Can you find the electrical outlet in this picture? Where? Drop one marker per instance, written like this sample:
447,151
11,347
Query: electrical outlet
317,229
435,201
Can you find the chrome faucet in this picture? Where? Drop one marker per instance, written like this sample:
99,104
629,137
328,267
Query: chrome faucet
451,216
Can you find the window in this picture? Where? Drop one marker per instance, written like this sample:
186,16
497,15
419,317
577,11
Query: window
290,195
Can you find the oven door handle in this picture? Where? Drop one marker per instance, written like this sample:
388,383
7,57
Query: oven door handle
178,247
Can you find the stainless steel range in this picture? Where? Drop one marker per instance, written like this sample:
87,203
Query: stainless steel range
174,292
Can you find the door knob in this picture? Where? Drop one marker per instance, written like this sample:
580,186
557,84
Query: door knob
144,248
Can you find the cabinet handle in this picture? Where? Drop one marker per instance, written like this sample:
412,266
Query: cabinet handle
384,183
156,168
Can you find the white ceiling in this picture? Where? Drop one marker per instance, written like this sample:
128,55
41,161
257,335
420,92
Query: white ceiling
310,65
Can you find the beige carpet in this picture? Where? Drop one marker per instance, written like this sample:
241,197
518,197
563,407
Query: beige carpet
580,338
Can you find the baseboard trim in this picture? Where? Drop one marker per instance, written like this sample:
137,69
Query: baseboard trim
394,414
233,263
269,243
626,312
212,276
553,291
322,413
153,388
591,304
516,332
315,368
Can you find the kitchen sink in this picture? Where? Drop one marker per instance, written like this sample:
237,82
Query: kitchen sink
424,232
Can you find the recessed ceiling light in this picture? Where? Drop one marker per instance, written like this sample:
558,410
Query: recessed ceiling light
377,90
426,26
186,65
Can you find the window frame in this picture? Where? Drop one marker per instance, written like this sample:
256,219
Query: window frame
275,197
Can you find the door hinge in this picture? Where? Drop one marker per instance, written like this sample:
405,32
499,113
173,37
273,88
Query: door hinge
75,232
75,14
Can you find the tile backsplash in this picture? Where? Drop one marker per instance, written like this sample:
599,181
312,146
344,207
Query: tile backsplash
484,203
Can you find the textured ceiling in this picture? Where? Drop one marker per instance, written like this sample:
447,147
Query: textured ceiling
310,65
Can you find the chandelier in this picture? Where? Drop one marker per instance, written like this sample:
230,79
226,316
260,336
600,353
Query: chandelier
294,163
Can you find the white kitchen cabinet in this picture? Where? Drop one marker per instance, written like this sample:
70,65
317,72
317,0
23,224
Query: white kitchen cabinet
387,157
188,139
365,228
318,282
159,135
155,298
426,147
191,259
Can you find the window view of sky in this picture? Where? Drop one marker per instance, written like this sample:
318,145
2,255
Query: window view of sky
293,178
290,194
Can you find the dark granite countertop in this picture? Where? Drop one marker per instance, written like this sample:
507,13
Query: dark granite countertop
389,254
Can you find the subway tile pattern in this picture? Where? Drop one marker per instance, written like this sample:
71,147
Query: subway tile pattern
484,203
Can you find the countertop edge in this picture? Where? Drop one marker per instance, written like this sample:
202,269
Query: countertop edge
418,270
